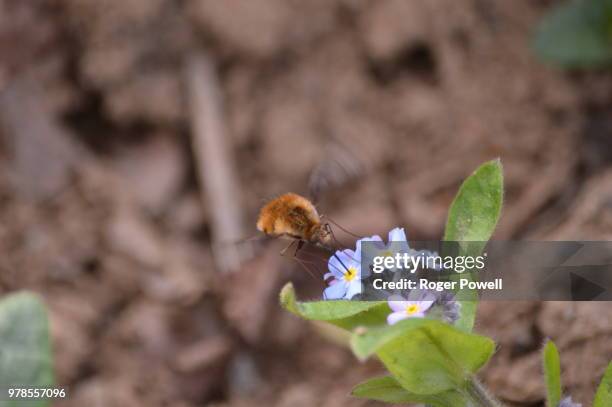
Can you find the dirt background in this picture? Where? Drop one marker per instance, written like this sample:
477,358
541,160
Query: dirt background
103,210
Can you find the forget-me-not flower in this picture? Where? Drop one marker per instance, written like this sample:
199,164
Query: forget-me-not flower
396,243
345,268
403,308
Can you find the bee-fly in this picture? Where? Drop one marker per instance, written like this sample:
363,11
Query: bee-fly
293,216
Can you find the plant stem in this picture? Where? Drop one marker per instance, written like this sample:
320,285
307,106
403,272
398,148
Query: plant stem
479,396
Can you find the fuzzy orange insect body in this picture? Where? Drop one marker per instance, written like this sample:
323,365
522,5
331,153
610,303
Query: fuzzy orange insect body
292,215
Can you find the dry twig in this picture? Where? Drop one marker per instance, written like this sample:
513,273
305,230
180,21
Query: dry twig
214,161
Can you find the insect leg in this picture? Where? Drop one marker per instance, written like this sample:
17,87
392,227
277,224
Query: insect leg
298,247
282,252
333,235
302,263
340,227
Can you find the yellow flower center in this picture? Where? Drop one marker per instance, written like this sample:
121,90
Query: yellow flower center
412,309
350,274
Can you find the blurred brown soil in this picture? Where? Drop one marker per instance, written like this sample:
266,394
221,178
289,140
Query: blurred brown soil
100,210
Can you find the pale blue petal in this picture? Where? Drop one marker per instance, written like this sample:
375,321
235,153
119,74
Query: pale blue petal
397,235
397,241
395,317
335,291
354,288
376,239
335,266
375,244
397,303
425,305
350,259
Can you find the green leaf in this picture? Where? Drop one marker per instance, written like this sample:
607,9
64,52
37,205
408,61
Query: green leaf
472,218
576,34
476,208
345,314
468,299
425,356
603,397
552,374
367,341
388,390
25,353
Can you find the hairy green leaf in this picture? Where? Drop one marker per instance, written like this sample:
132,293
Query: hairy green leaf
603,397
343,313
425,356
552,374
471,221
577,34
367,341
476,207
25,352
388,390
